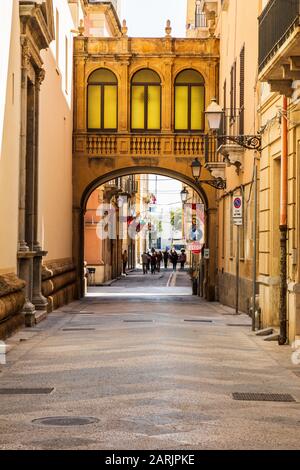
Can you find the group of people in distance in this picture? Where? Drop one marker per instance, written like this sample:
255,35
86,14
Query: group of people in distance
152,260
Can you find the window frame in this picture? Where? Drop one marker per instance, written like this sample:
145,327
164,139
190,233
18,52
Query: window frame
102,85
190,85
146,95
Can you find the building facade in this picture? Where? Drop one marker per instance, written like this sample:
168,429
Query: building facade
139,109
279,75
236,27
259,93
118,106
37,272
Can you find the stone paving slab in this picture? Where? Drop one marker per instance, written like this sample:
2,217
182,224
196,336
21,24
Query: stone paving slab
167,384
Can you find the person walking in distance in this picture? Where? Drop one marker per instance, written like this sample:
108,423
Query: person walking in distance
145,262
124,261
166,258
174,259
149,260
153,262
159,260
182,260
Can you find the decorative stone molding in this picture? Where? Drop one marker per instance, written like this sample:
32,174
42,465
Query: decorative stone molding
37,19
59,282
217,169
294,287
283,87
233,155
12,300
269,280
10,283
124,29
210,7
41,76
168,29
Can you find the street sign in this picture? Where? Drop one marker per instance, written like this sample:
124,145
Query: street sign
194,246
237,208
206,253
237,221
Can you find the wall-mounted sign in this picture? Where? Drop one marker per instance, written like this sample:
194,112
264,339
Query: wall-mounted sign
237,207
195,247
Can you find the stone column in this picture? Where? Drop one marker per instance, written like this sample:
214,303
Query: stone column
123,90
24,255
25,273
211,270
38,299
80,101
78,248
23,141
39,79
167,98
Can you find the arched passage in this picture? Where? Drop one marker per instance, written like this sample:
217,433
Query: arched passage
210,211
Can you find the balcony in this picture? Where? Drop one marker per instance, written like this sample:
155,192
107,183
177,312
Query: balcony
154,147
97,146
279,45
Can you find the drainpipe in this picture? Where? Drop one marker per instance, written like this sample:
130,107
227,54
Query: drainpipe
283,227
254,249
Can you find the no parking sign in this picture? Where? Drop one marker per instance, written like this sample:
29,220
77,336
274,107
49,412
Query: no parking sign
237,207
237,210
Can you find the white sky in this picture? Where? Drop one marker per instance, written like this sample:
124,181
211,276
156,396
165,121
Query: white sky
147,18
168,192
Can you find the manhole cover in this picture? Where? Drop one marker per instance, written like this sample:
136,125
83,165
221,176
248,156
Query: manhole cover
25,391
199,321
281,397
65,421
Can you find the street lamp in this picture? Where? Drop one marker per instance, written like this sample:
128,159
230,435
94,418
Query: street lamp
184,195
217,183
214,114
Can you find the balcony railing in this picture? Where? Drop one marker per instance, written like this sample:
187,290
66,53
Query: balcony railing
276,23
141,145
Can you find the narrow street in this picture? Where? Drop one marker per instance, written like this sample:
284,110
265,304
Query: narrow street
156,371
165,282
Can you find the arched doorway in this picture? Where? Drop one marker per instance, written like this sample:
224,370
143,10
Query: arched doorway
210,213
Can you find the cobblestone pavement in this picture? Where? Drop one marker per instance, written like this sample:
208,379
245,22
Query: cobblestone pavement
152,376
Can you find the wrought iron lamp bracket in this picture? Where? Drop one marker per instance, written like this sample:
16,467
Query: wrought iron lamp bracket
250,142
217,183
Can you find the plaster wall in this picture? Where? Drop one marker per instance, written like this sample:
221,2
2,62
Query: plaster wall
56,116
237,27
10,84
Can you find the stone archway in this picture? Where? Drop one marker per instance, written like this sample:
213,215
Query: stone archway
80,201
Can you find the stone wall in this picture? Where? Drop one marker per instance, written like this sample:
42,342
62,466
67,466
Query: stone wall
12,300
227,291
59,283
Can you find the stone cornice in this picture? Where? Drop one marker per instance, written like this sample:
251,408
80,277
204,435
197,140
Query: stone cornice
30,53
33,23
147,47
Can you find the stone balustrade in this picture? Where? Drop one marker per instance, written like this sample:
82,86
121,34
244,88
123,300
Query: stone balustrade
113,145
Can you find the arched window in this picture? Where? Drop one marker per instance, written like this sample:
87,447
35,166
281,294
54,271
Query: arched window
189,101
146,101
102,100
